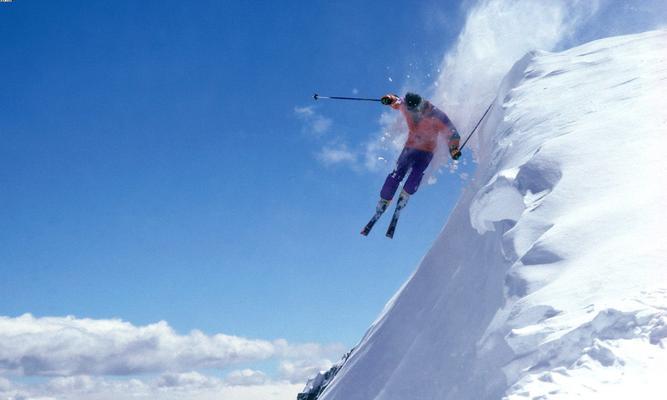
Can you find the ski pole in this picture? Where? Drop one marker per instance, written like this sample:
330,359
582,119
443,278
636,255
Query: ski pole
478,122
317,97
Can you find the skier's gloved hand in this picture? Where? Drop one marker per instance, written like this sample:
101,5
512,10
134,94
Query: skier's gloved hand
388,99
455,153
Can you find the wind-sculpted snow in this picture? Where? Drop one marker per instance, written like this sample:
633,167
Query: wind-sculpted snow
549,279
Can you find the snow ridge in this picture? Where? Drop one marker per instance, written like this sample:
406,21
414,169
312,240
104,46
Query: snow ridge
549,279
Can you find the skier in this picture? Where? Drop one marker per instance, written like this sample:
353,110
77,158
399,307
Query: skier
425,123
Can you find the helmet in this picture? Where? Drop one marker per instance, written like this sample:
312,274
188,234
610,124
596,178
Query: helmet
412,100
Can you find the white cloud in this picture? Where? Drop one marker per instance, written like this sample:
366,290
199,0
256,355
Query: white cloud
248,377
71,346
336,154
314,123
300,371
190,385
5,384
68,346
304,112
68,384
79,354
188,380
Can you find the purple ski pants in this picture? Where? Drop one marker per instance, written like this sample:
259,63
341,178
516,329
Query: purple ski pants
410,159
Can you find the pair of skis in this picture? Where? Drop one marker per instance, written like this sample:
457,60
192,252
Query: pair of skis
402,202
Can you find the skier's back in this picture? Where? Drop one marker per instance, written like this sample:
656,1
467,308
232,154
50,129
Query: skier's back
425,123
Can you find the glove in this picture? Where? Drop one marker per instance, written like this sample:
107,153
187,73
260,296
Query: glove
388,100
455,153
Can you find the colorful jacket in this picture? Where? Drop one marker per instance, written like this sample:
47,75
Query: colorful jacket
425,125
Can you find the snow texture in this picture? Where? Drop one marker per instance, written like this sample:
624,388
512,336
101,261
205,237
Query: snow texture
549,280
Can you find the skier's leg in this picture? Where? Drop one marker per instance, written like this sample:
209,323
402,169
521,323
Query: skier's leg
405,160
421,162
396,176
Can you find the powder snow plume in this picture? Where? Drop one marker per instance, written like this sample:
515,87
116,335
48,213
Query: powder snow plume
496,33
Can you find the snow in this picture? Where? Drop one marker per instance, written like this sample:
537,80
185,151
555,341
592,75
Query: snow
549,279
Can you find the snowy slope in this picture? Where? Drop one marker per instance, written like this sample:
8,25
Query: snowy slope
549,280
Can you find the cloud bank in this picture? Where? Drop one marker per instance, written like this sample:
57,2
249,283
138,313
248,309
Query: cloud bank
67,346
172,386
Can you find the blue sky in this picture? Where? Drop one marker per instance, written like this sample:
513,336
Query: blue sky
165,161
153,166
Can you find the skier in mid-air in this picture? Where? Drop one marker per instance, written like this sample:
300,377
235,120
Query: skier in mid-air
425,124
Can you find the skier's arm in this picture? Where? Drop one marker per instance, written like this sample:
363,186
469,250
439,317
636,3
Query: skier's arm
453,139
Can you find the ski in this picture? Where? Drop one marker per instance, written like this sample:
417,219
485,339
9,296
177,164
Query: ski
402,202
371,223
393,223
379,210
